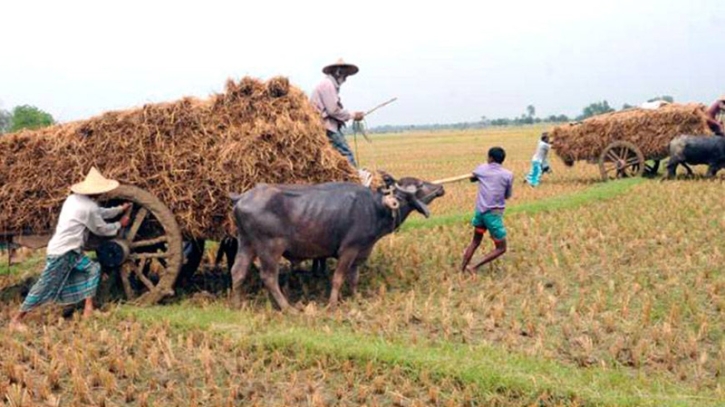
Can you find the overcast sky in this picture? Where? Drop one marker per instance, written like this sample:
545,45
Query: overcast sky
446,61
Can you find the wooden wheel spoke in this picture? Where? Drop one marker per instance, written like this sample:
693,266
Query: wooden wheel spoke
127,289
631,161
612,156
609,167
140,216
149,242
623,153
139,273
146,256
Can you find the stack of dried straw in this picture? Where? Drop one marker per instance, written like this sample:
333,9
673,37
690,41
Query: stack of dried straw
190,154
650,130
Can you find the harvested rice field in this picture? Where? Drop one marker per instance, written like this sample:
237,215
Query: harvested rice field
611,294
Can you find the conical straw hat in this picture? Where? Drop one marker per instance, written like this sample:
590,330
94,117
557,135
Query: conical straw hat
349,69
94,184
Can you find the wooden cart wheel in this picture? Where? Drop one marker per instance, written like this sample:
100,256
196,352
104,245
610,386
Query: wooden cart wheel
147,254
621,159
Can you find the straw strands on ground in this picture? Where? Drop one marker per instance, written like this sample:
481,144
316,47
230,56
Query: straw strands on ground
189,153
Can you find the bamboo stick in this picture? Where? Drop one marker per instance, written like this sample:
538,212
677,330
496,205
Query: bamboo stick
453,179
381,105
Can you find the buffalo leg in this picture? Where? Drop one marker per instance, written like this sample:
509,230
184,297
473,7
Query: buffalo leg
672,168
655,167
712,169
228,249
343,265
353,277
270,275
240,269
319,266
689,170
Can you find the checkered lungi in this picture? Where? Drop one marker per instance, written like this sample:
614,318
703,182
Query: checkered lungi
66,279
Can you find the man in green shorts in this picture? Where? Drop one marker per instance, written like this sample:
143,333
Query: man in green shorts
494,188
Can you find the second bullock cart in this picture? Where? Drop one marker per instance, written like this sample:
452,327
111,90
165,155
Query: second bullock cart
628,143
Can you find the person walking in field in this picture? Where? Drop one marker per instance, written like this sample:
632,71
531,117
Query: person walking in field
326,99
539,162
494,188
716,109
69,276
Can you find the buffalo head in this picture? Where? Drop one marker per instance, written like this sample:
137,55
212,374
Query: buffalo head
414,192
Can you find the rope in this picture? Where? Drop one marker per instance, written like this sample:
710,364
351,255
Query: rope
358,127
355,126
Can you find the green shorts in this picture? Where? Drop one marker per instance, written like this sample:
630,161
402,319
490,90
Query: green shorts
491,221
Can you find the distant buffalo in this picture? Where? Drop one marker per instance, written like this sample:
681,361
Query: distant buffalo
696,150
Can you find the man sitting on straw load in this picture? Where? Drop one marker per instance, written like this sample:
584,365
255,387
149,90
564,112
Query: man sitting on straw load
539,162
326,99
716,109
69,276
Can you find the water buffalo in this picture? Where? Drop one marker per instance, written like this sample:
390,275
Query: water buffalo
299,222
696,150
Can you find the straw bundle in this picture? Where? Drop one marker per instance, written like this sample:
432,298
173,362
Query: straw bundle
650,130
190,154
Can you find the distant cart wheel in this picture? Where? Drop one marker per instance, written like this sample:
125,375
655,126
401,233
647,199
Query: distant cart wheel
621,159
147,255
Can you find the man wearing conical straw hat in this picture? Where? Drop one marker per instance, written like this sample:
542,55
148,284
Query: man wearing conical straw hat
717,108
69,276
326,99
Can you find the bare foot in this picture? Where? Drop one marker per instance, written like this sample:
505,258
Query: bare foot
470,270
87,313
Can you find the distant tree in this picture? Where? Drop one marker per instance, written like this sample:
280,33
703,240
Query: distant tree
531,110
30,117
666,98
5,121
626,106
501,122
557,118
594,109
524,119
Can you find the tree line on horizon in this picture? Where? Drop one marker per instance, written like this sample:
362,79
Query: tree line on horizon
527,118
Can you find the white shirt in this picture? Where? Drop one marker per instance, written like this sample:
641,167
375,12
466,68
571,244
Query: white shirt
653,105
79,215
542,149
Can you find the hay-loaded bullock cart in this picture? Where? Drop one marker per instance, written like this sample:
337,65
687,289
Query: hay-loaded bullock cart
177,162
623,142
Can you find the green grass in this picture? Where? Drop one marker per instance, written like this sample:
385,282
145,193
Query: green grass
19,268
490,370
597,193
